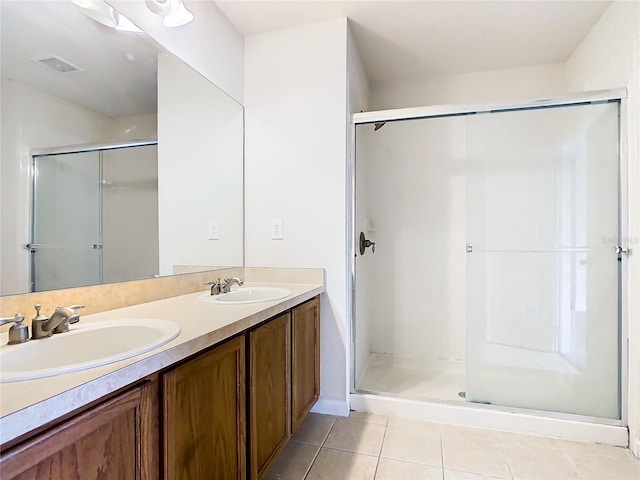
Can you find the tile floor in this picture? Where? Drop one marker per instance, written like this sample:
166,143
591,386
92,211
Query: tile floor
368,447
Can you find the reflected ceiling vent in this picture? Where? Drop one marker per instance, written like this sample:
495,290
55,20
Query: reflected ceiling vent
59,65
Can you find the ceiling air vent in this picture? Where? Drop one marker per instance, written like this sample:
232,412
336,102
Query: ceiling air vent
57,64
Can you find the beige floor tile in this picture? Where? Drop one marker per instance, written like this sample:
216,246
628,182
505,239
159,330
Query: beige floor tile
582,448
396,470
355,435
294,462
530,440
338,465
478,453
457,475
464,434
409,423
416,443
315,429
539,463
595,467
369,417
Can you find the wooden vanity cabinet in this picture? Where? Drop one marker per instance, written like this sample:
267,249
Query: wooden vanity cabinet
204,416
269,392
284,381
204,408
305,360
116,440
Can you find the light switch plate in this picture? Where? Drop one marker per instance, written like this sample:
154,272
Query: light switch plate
276,229
214,230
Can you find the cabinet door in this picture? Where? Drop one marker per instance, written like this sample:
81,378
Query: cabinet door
204,416
305,373
106,442
269,400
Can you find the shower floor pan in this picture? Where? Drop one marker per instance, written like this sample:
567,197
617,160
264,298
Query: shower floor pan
413,378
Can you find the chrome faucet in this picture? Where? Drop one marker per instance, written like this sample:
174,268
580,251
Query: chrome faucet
225,286
43,327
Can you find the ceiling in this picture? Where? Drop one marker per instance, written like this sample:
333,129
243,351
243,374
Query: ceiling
400,40
119,69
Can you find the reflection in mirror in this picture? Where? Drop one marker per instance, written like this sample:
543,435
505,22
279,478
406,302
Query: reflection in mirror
125,90
87,208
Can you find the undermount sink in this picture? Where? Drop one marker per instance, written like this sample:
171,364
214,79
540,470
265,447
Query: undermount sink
84,346
247,295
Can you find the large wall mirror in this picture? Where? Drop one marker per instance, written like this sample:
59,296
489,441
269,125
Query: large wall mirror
118,161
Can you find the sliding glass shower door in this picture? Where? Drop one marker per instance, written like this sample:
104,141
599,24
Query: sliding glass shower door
542,268
66,230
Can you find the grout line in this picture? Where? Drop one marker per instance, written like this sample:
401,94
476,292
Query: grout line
375,472
324,440
315,457
506,458
351,451
441,454
384,436
571,461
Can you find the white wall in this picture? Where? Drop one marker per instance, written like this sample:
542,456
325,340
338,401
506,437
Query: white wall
210,43
135,127
498,85
32,119
609,57
296,125
358,101
199,169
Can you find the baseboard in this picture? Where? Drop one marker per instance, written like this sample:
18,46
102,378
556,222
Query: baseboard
635,447
331,407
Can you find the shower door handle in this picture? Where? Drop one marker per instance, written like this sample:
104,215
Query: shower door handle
364,243
32,247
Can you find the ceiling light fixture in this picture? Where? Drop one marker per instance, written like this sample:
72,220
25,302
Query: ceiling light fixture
174,12
126,25
98,11
105,14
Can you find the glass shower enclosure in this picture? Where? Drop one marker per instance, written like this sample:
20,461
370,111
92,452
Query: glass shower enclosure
499,233
91,206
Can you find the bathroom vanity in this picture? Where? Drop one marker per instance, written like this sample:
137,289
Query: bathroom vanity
221,400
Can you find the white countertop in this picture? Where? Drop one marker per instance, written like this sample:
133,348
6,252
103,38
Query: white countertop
27,405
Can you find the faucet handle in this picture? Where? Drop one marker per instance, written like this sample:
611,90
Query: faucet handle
19,332
17,318
215,286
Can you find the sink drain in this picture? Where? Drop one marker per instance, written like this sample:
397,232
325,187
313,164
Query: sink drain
462,394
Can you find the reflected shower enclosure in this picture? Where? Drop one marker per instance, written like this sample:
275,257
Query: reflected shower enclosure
496,278
94,216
